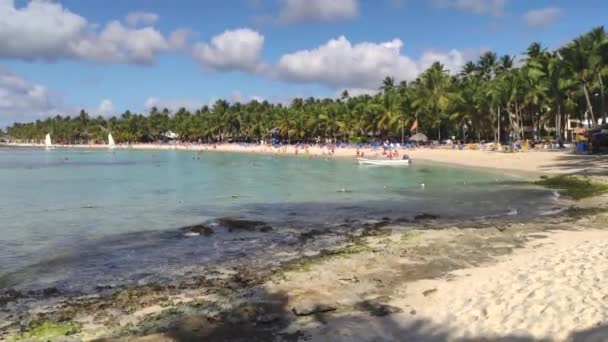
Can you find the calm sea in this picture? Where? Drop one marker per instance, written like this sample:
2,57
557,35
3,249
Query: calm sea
76,219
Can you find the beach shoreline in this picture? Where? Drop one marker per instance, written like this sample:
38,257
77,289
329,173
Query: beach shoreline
390,281
531,163
421,279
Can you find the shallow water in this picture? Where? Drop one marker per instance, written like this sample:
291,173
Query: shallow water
79,218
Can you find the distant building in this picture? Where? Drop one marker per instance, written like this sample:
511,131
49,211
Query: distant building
171,135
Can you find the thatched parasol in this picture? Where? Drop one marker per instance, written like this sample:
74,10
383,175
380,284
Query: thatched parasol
419,137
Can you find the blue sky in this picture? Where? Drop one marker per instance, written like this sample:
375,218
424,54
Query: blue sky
89,55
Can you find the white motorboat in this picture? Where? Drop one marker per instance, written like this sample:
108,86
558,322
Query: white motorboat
385,162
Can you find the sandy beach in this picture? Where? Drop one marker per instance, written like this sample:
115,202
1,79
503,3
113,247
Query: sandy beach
537,162
416,280
536,281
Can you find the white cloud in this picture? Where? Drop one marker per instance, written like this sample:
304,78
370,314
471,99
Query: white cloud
238,49
339,63
541,18
144,18
106,108
493,7
22,100
452,60
237,96
45,30
296,11
362,66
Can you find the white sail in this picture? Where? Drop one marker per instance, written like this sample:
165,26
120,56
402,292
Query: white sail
110,141
47,141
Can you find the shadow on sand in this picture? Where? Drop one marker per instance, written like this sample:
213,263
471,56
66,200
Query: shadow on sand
272,318
593,165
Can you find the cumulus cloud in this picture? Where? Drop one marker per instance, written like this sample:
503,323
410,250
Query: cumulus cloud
541,18
238,49
453,60
362,66
296,11
45,30
340,63
106,108
492,7
22,100
144,18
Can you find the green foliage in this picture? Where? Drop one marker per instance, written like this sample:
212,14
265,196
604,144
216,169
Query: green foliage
573,186
47,332
490,98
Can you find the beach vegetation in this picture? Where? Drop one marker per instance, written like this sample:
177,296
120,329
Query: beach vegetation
308,263
492,99
575,187
47,331
411,236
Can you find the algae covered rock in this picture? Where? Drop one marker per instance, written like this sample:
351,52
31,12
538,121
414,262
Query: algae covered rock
49,331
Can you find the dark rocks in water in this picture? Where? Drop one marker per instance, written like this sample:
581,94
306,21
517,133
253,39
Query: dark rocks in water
425,216
376,230
10,295
200,229
311,234
377,309
268,318
50,291
234,224
402,220
247,278
310,309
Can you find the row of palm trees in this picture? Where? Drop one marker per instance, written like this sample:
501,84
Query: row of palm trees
495,98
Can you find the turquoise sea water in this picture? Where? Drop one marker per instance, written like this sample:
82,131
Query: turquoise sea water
76,218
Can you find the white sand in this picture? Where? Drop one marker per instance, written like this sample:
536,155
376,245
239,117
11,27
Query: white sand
554,289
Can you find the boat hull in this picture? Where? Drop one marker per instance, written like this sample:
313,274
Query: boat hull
384,162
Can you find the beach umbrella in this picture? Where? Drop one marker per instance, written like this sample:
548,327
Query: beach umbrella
419,137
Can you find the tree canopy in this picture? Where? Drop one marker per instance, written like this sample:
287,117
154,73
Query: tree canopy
495,97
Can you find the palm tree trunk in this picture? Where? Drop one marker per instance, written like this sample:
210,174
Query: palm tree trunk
558,125
498,124
439,133
602,99
589,107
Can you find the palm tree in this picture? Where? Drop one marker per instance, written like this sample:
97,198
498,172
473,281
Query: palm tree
598,62
576,59
284,122
487,65
433,94
387,84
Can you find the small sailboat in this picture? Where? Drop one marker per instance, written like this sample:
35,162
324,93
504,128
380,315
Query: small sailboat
47,142
405,161
111,141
